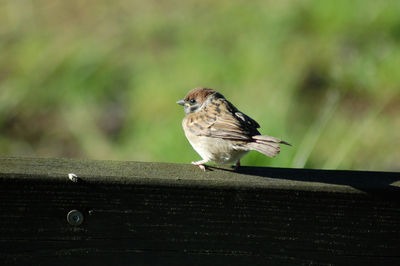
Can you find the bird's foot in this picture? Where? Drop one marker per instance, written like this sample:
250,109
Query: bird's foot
200,164
237,165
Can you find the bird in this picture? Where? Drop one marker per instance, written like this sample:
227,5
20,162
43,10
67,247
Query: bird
219,132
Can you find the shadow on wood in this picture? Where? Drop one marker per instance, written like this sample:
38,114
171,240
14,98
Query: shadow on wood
136,213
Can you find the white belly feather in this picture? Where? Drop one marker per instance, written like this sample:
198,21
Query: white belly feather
215,149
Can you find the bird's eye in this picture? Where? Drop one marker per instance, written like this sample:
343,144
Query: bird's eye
192,101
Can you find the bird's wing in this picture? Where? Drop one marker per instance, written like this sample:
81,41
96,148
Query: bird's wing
220,119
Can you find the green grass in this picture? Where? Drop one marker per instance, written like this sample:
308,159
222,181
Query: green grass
96,80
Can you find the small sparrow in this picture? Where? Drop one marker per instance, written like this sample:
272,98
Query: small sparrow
219,132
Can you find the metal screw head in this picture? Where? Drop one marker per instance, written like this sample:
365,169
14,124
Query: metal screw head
75,217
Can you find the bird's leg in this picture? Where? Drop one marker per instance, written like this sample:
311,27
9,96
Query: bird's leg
237,164
200,164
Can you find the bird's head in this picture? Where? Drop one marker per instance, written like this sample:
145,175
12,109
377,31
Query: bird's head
195,99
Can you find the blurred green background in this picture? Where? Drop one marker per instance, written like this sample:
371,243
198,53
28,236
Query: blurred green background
99,79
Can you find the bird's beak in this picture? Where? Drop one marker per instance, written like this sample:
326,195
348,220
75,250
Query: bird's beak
181,102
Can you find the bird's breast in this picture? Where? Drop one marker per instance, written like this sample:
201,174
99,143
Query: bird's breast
221,151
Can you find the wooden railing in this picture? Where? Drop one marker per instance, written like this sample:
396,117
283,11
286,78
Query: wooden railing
135,213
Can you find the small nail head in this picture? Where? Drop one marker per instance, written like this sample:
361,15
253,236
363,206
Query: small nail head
75,218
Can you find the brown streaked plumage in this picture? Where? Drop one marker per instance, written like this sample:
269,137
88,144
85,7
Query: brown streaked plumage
219,132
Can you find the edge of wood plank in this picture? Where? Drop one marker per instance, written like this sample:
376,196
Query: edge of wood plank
15,169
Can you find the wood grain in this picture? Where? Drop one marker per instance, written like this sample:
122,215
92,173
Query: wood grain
139,213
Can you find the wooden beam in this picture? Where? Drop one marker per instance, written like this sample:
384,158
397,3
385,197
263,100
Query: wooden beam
136,213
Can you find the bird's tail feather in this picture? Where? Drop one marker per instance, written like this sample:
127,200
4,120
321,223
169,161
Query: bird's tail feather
266,145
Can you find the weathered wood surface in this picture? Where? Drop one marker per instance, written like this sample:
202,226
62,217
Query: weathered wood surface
169,214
